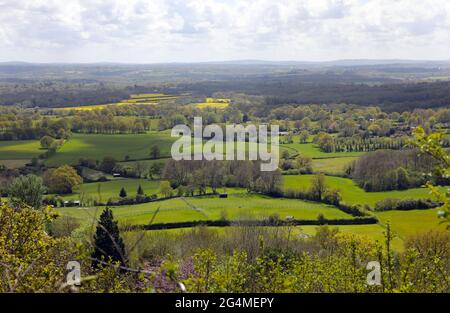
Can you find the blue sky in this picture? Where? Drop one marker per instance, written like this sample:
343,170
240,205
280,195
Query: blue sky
136,31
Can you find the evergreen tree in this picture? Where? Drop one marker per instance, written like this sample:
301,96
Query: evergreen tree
140,191
109,245
123,193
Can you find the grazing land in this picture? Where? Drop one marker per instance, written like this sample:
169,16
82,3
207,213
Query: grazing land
352,193
97,146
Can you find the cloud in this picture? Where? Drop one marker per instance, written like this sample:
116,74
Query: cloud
202,30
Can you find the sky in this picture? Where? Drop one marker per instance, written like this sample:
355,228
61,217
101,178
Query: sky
154,31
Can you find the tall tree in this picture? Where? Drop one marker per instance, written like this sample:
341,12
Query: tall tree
318,186
155,152
109,245
62,179
122,193
27,190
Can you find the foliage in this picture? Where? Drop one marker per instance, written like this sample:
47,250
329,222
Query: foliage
31,260
27,190
431,145
62,179
108,244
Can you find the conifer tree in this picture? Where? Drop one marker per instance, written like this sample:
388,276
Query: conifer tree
109,245
140,191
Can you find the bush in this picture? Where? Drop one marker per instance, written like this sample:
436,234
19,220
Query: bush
407,204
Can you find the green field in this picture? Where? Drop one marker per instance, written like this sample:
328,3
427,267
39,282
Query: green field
312,151
97,146
331,165
111,189
373,232
20,149
353,194
407,223
212,208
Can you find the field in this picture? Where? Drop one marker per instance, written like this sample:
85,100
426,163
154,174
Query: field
213,103
19,150
353,194
407,223
111,189
312,151
331,165
97,146
145,99
213,208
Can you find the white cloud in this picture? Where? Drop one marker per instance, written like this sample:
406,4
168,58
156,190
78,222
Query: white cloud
203,30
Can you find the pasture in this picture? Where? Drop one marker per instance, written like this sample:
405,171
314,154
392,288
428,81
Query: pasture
352,193
102,191
213,208
97,146
19,149
331,166
312,151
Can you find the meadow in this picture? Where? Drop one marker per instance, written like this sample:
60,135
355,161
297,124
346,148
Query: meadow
311,150
213,208
332,166
97,146
352,193
19,149
102,191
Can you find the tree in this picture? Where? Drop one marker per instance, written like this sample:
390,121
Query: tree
431,145
155,152
140,191
62,179
155,169
123,193
27,190
303,164
318,187
304,135
108,244
31,260
108,164
165,188
402,178
46,142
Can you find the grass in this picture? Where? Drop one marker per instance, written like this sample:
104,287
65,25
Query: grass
19,149
17,163
331,165
97,146
312,151
408,223
373,232
111,189
208,208
352,193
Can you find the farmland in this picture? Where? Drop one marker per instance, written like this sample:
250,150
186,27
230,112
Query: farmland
213,103
142,99
353,194
96,146
213,208
23,149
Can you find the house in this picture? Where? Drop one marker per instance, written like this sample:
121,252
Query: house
116,174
